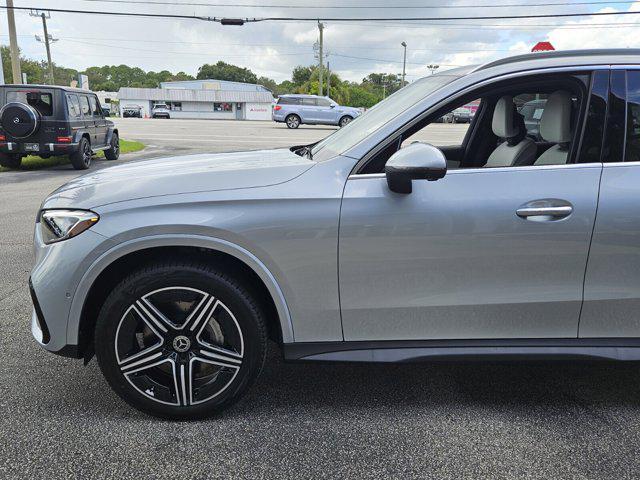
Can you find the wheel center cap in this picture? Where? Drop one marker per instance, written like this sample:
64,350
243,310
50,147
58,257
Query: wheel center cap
181,344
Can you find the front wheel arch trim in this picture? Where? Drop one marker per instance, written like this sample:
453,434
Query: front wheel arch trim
216,244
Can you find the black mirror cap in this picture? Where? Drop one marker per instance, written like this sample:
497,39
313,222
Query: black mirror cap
418,161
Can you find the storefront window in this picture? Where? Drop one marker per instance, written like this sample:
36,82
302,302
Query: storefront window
222,107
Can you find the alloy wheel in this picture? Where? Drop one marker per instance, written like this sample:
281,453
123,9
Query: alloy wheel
179,346
293,121
86,154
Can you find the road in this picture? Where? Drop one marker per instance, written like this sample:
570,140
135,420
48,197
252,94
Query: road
59,419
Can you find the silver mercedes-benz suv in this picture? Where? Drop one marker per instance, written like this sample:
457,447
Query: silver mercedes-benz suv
370,245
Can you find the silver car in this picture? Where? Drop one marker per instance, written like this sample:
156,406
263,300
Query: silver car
295,110
369,246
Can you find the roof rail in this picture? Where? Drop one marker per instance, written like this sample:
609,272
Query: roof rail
560,54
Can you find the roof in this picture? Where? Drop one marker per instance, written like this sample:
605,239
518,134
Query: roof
213,84
49,87
302,95
597,56
191,95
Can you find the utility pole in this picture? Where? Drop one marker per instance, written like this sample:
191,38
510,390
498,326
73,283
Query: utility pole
321,51
328,77
47,38
404,62
13,44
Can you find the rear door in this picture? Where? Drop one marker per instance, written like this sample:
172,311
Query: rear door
308,110
612,283
76,122
88,120
100,121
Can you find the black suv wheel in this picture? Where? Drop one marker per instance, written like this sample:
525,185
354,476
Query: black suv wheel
10,160
81,158
113,152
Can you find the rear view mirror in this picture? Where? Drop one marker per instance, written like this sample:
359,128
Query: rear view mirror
418,161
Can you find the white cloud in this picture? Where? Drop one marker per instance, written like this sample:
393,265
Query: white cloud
273,49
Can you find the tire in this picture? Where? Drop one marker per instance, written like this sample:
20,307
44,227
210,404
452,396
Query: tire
10,160
292,121
81,158
159,382
345,121
19,119
113,152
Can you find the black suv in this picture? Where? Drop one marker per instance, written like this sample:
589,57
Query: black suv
47,120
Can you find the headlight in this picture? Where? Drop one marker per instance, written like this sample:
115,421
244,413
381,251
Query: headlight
58,225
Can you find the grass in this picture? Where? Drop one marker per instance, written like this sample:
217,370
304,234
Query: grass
33,162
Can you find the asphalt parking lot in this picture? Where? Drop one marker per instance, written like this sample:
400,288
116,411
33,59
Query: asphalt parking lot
59,419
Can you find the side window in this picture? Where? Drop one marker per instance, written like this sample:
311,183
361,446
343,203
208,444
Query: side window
632,150
84,106
449,129
324,102
73,105
531,107
309,102
95,109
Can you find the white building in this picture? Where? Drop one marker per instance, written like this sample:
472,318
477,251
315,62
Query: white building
206,99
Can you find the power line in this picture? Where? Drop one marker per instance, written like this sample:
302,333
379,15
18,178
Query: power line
357,7
238,21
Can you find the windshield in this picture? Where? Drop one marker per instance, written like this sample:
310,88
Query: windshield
374,118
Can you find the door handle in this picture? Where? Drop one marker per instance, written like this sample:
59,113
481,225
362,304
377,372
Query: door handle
545,210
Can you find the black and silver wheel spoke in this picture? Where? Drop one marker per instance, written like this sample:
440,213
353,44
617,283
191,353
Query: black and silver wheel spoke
179,346
219,356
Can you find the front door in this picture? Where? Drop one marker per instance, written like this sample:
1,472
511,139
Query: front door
325,112
482,253
453,260
99,120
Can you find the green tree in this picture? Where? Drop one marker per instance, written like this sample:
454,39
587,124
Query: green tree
302,75
226,71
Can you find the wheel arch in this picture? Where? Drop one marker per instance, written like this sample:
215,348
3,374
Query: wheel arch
105,272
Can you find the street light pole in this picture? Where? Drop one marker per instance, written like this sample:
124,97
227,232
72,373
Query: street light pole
47,39
321,51
432,68
404,62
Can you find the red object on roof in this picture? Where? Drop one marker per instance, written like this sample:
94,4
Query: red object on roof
542,47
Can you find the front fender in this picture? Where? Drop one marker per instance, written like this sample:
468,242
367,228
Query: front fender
177,240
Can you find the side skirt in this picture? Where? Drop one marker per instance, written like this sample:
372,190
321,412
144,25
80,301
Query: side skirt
621,349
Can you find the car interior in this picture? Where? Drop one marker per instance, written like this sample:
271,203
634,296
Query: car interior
497,136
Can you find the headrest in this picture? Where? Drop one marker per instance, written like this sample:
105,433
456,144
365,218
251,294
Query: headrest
504,118
555,123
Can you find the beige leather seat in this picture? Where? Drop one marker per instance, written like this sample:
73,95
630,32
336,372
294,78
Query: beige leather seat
555,126
508,124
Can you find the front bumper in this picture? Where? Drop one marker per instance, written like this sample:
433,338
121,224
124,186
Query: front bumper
54,279
44,148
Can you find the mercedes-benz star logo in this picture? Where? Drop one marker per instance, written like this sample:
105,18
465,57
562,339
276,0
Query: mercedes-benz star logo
16,120
181,344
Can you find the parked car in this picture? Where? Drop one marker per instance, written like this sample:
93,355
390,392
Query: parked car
48,121
132,111
462,115
161,110
356,248
295,110
532,113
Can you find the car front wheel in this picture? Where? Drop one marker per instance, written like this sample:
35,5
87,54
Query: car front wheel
292,121
113,152
180,340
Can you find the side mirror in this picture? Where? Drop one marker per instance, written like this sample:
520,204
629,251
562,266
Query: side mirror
418,161
333,105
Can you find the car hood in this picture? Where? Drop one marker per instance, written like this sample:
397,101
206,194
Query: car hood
176,175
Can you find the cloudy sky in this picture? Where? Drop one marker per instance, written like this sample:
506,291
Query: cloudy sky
354,49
